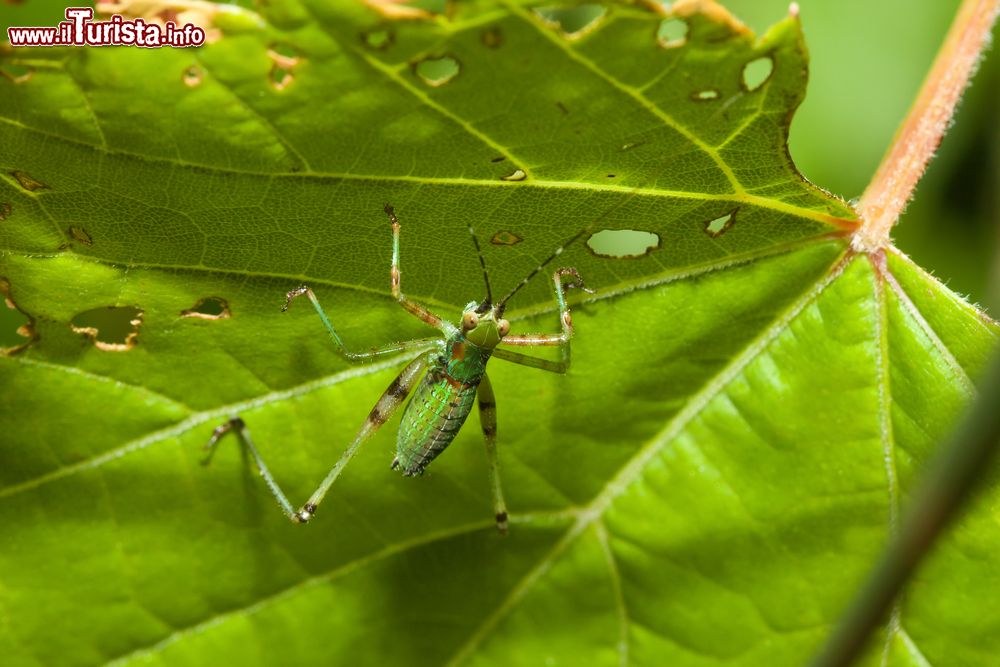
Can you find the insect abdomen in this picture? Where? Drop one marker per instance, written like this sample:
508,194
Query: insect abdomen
431,420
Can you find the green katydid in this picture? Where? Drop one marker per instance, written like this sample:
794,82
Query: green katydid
453,370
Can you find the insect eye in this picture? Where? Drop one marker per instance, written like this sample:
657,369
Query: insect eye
503,326
469,321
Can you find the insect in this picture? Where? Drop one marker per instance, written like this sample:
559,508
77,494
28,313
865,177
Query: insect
446,376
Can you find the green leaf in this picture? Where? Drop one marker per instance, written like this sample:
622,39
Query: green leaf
749,404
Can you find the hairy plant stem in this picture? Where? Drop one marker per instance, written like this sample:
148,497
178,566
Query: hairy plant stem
966,455
928,119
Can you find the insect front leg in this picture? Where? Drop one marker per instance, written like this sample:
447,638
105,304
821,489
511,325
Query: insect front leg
488,420
562,339
383,410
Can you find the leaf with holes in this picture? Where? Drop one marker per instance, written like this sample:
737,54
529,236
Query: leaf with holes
748,405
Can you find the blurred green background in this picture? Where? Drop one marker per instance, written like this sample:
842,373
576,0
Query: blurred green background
868,61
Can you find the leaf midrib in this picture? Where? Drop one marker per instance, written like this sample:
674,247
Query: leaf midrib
743,197
515,314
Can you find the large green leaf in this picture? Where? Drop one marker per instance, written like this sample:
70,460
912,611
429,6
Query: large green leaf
745,414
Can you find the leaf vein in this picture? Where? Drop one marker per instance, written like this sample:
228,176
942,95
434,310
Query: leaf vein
882,371
631,92
88,105
421,95
914,650
616,583
89,375
323,578
264,120
957,370
197,419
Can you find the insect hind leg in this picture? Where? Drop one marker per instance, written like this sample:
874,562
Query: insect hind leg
488,420
387,404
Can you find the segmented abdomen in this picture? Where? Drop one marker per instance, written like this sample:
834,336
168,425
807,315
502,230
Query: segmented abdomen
431,420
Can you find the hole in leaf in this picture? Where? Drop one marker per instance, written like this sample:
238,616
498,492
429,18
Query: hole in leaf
719,226
209,308
280,77
80,234
192,76
4,211
757,72
505,238
16,73
704,95
113,328
437,71
493,38
516,175
672,33
573,22
623,243
285,59
27,182
15,324
378,39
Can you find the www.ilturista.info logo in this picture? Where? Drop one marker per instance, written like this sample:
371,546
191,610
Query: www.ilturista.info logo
80,30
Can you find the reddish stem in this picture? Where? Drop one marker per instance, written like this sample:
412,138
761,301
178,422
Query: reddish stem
921,132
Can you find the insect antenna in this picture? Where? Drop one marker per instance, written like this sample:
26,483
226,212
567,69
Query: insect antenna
534,272
558,251
485,305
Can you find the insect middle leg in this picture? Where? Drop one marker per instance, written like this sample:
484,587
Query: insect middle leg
488,419
411,307
386,406
562,339
350,355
